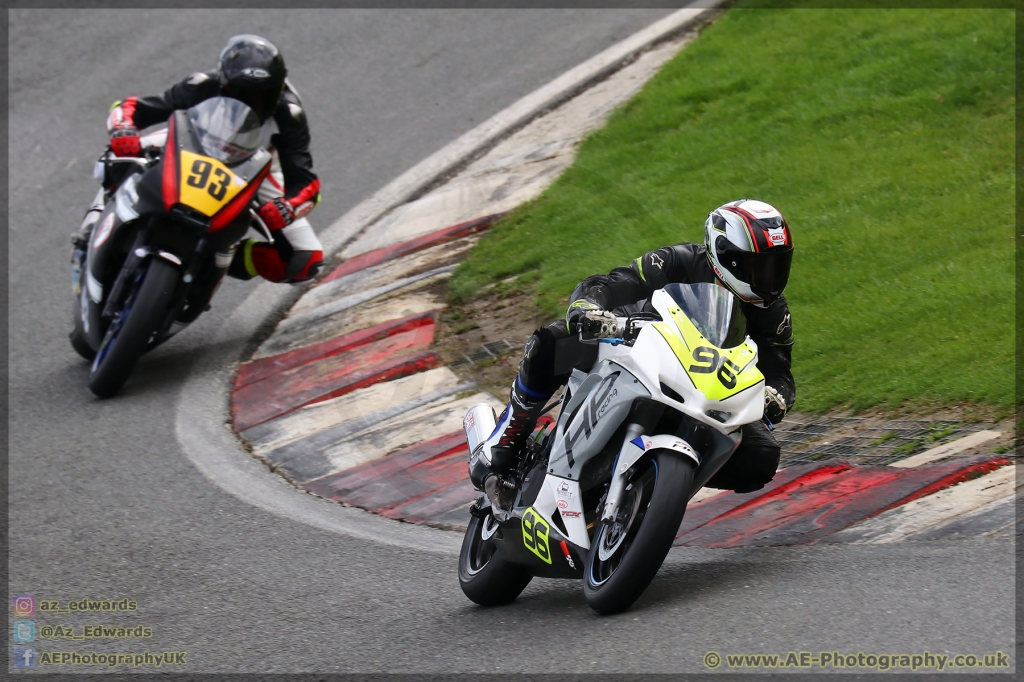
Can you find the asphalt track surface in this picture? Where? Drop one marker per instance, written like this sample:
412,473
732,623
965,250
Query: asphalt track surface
103,502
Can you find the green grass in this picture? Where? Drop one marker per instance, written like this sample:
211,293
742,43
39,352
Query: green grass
935,433
884,438
887,140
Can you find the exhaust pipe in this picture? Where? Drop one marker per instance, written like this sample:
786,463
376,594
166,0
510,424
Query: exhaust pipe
479,424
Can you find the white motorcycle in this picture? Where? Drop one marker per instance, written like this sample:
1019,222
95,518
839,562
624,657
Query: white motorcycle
602,496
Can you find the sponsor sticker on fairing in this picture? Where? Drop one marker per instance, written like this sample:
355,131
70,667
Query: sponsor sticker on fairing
570,514
563,504
104,230
563,490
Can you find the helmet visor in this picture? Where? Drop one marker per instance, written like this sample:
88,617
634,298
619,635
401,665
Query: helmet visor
227,129
767,272
263,101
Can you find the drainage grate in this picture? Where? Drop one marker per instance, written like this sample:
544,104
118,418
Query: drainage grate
864,441
489,351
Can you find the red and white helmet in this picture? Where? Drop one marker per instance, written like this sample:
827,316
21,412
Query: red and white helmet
750,250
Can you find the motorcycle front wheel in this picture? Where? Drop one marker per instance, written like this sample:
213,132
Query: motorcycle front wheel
134,324
625,555
485,577
79,343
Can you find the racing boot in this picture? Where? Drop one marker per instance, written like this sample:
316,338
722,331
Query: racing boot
503,449
80,239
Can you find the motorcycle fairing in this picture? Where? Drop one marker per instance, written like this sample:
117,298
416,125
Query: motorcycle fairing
583,430
513,537
657,363
718,373
203,184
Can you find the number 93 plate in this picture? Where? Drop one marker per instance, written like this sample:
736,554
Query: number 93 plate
207,185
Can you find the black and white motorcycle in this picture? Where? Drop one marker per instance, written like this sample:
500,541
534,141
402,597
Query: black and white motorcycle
602,495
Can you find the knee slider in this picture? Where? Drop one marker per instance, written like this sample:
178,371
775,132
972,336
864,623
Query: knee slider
763,462
303,266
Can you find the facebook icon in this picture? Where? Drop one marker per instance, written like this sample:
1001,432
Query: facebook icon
24,657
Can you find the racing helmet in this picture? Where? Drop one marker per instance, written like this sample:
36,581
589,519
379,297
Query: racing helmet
750,250
252,71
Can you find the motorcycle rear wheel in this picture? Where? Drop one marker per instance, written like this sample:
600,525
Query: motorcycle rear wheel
624,557
484,576
129,335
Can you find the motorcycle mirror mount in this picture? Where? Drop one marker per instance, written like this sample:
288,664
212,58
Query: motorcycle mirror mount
261,226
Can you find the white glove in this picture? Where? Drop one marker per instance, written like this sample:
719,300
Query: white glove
774,404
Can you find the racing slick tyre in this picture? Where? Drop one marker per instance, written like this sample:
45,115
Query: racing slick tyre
485,577
625,555
80,345
128,336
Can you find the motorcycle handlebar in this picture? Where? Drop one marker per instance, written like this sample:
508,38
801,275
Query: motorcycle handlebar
128,159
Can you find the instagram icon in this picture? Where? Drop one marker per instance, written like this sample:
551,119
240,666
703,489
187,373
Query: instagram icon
23,605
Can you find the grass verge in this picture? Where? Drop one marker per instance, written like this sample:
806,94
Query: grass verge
887,140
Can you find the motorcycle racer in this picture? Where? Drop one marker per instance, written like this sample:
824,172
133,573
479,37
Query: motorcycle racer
252,70
748,249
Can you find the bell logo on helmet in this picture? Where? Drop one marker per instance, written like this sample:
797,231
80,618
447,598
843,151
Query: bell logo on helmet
777,237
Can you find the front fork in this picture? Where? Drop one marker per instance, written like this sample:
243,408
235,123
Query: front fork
628,454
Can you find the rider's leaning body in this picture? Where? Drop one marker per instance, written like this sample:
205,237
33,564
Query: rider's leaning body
748,249
251,70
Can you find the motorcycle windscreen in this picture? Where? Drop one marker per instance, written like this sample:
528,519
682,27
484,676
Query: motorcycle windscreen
228,130
713,310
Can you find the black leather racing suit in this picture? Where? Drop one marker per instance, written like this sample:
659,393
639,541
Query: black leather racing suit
291,141
771,328
296,253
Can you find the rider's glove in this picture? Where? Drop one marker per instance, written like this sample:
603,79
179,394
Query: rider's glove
600,324
125,142
589,319
774,404
124,136
277,213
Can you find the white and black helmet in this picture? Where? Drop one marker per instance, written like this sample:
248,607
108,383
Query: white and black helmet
750,249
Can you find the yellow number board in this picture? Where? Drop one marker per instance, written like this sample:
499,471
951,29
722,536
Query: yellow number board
207,185
535,535
718,373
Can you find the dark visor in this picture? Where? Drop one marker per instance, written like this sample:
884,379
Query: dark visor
259,100
766,272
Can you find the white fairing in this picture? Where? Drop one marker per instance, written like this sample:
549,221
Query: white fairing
94,287
157,138
653,362
561,497
662,441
